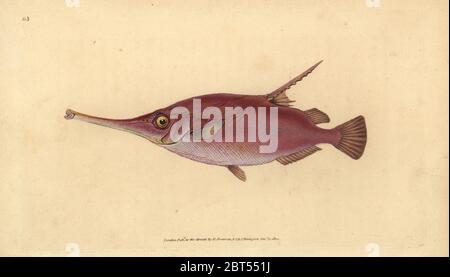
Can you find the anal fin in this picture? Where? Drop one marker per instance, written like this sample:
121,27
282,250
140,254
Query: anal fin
238,172
317,116
285,160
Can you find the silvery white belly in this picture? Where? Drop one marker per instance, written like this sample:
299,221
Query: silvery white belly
222,153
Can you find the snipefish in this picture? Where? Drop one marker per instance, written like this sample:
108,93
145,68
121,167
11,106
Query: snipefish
211,129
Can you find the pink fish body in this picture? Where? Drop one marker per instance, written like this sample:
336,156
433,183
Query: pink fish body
297,131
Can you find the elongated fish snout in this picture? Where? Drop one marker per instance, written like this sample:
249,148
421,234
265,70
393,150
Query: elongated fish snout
138,126
121,124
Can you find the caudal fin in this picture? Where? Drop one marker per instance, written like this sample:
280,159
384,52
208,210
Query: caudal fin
354,137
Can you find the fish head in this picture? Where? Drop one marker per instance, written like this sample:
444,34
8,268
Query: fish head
154,126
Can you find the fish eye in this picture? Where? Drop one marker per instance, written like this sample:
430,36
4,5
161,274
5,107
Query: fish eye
162,122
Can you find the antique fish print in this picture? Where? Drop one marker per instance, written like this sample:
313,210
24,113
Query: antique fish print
235,130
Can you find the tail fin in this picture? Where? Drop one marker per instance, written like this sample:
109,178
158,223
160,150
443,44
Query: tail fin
354,137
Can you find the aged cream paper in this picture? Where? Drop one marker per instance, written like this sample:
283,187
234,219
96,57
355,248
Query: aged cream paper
68,188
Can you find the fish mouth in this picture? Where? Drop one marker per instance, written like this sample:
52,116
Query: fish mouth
70,114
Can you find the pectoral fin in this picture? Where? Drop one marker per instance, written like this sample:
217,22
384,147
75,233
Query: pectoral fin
238,172
285,160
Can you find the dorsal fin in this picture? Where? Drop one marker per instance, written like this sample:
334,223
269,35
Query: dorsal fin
317,116
282,100
285,160
238,172
281,90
